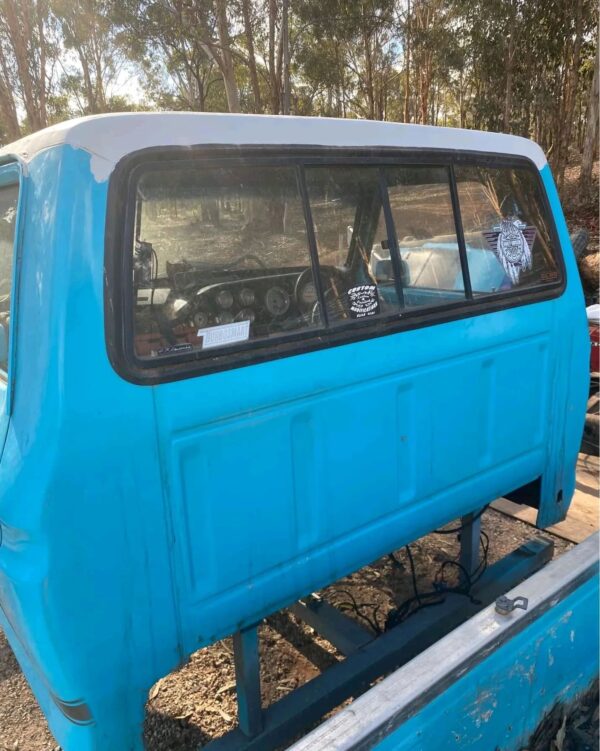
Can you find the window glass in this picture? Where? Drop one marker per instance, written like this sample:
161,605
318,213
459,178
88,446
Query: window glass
221,255
507,229
352,242
8,215
421,206
220,258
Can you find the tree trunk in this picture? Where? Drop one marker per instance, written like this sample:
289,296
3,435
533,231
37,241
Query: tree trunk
273,77
461,98
248,31
226,58
100,92
20,31
285,41
573,80
407,42
591,135
87,82
425,78
8,108
510,54
369,74
41,72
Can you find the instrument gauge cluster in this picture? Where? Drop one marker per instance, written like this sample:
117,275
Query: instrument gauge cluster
246,297
224,299
277,301
308,295
265,302
226,316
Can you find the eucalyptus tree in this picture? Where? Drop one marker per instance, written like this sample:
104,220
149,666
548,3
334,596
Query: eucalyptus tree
352,47
192,35
28,53
88,29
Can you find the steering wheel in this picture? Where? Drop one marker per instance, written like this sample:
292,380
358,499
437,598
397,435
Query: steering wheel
305,277
335,289
336,310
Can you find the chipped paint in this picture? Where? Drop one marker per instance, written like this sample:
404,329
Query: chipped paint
483,707
519,669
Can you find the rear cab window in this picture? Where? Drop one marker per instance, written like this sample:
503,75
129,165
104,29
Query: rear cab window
229,261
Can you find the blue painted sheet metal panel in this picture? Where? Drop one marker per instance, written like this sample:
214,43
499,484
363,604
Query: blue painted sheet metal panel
111,565
499,704
84,565
348,464
570,378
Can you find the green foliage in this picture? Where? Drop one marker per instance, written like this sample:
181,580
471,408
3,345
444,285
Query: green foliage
523,66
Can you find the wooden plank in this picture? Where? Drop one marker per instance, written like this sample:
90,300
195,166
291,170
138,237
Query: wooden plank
583,518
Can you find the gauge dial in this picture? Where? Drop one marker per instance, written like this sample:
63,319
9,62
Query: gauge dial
201,319
277,301
308,295
246,314
224,299
226,316
246,297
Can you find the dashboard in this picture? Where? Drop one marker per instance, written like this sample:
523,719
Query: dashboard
265,301
183,303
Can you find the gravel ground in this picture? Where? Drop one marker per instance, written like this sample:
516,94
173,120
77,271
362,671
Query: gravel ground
197,703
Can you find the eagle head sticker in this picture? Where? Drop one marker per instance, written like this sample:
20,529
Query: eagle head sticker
512,241
364,301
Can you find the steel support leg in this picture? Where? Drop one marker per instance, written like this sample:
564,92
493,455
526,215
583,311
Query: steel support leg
247,676
469,546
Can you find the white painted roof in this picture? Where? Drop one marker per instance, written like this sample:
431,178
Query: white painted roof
110,137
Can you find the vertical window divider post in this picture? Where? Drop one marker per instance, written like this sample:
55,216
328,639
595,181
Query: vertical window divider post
391,237
460,235
312,243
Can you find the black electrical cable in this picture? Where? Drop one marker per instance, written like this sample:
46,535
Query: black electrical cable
357,607
441,589
420,600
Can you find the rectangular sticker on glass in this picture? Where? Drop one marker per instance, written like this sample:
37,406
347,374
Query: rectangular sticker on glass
227,333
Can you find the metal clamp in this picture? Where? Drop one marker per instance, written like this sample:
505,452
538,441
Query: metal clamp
504,605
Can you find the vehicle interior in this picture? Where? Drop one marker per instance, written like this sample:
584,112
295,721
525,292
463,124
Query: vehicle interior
231,245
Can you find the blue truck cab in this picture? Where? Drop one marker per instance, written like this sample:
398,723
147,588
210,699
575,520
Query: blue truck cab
242,357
